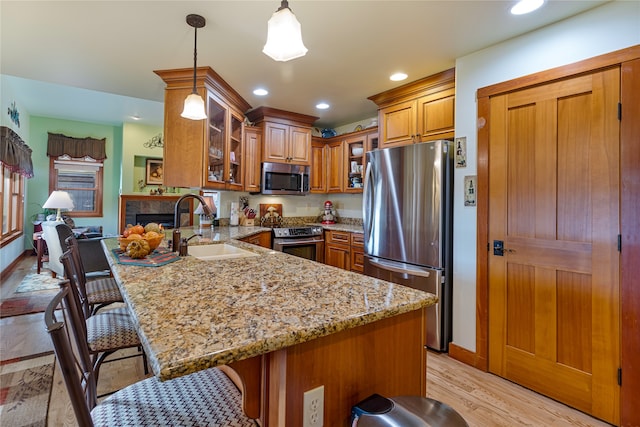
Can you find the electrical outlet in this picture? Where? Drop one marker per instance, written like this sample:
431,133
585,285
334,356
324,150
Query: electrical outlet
313,412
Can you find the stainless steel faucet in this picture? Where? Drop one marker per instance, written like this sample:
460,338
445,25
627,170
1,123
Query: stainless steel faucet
176,217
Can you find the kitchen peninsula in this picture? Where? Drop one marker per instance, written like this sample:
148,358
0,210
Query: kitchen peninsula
286,325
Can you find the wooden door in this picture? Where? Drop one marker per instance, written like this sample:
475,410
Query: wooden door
337,256
554,315
436,114
318,181
398,124
299,145
252,154
275,142
334,167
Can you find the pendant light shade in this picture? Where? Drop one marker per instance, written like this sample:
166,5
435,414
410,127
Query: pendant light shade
194,107
193,104
284,35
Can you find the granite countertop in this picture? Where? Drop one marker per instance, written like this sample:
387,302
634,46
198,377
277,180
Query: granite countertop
352,228
193,314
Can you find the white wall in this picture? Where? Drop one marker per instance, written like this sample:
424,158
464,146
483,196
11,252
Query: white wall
605,29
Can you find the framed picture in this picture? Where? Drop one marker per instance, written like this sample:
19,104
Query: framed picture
154,173
470,185
461,152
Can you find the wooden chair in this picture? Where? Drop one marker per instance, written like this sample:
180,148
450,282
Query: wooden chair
205,398
99,291
105,332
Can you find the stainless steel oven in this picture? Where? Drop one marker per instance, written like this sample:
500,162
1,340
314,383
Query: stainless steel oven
304,242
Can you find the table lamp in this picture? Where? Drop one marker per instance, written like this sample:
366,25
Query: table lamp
59,200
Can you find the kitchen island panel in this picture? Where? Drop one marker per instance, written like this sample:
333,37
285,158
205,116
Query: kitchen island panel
387,357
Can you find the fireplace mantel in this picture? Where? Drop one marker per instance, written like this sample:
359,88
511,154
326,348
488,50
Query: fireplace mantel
132,204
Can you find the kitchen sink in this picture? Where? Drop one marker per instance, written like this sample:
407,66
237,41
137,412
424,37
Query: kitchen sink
219,251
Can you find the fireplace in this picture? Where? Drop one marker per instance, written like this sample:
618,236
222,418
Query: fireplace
164,219
134,209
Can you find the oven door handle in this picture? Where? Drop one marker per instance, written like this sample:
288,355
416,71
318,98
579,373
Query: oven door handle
296,242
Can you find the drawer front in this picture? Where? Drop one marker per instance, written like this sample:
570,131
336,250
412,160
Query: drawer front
357,260
338,237
357,240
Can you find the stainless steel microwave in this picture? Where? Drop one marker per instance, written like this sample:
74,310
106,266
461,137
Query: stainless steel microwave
283,178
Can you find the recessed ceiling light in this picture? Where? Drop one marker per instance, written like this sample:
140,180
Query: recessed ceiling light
135,117
322,106
398,77
260,92
526,6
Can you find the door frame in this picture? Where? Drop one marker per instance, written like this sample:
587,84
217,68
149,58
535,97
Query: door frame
629,60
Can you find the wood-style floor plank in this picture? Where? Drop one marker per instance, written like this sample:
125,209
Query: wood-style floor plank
484,399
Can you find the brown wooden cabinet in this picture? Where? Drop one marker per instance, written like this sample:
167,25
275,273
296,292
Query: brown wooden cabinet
335,162
357,252
344,249
419,111
261,239
206,153
252,156
318,179
353,167
337,249
286,135
345,160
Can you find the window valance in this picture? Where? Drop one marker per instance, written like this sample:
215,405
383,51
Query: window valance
76,148
14,153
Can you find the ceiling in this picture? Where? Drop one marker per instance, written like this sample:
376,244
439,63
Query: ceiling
94,60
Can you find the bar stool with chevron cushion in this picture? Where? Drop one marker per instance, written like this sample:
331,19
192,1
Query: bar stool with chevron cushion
100,291
205,398
106,331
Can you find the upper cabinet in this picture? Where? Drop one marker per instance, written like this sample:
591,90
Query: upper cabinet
335,166
419,111
209,153
339,163
286,135
318,169
253,153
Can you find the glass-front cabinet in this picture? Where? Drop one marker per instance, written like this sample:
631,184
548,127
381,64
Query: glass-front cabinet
209,153
225,148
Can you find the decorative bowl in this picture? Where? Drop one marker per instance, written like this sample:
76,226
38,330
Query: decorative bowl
357,151
154,242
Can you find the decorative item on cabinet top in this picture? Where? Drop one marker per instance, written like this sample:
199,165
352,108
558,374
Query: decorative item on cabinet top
328,133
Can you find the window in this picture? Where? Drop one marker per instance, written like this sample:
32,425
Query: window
82,179
11,205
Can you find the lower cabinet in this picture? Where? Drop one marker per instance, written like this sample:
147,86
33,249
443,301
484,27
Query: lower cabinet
344,250
357,252
261,239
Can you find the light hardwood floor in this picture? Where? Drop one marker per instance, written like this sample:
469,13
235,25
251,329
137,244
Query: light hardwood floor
481,398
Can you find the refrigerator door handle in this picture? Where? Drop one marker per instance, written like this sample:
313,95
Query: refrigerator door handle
387,266
367,203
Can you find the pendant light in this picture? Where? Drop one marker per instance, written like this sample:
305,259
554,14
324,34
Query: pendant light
193,104
284,36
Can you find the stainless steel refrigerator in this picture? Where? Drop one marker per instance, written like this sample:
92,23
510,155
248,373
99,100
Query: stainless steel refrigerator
408,215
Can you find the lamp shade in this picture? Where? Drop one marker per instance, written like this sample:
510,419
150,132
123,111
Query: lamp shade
59,200
194,108
284,36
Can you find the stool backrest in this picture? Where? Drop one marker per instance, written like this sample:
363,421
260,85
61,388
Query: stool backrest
75,275
62,319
